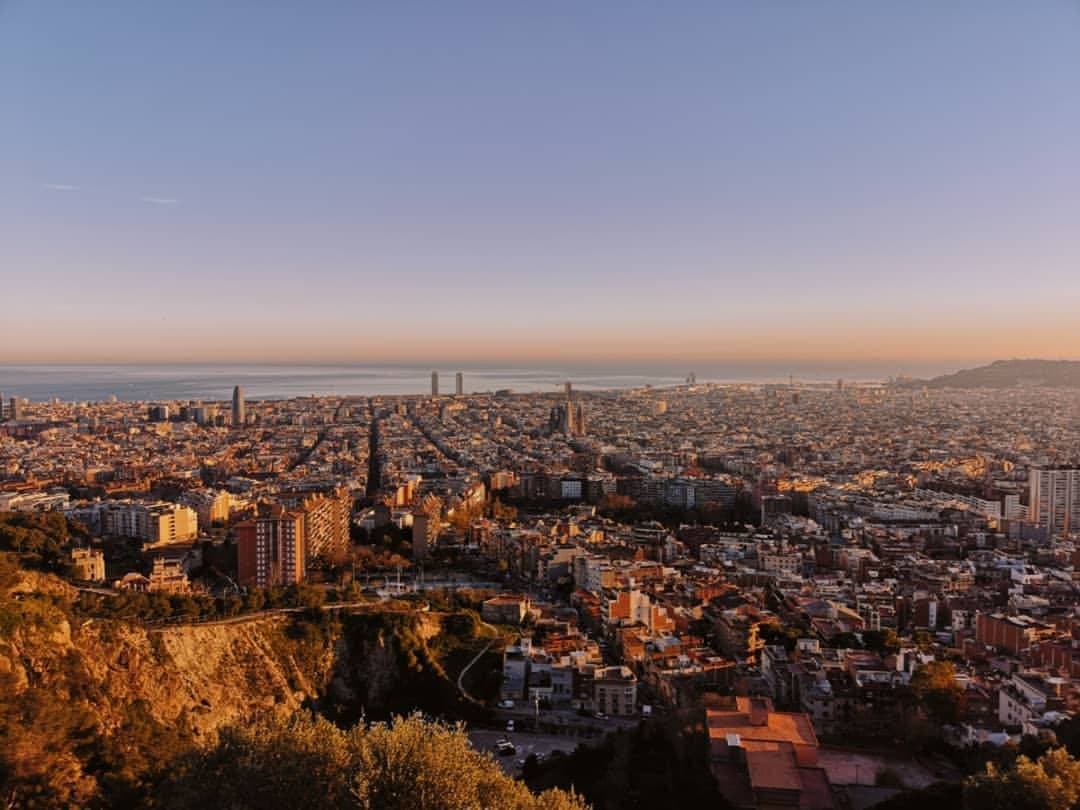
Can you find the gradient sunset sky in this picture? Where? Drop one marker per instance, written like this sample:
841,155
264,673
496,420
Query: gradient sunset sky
503,181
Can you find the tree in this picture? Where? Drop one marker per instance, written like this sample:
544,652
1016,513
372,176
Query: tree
45,534
305,596
352,593
39,737
845,641
938,796
254,599
1050,783
297,763
881,641
1068,734
660,763
306,763
774,633
412,764
617,503
501,511
935,685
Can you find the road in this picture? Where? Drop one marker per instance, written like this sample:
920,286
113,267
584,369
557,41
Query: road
573,723
477,657
544,744
251,617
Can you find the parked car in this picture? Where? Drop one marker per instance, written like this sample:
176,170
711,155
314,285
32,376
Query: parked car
509,725
506,704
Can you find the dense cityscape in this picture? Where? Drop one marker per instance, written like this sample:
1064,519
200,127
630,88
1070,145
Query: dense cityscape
539,406
849,583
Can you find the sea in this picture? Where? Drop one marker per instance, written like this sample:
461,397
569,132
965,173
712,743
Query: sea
210,382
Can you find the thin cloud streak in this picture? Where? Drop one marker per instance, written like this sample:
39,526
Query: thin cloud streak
160,200
60,187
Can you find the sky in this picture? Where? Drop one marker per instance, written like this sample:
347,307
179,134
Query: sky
774,182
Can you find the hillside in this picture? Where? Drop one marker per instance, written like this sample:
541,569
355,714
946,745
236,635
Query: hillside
1011,373
93,710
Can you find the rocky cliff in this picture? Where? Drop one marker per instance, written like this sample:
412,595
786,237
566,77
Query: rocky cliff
96,712
213,674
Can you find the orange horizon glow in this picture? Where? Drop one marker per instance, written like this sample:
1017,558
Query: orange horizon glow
896,344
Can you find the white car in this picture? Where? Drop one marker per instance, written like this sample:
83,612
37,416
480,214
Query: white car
509,725
506,704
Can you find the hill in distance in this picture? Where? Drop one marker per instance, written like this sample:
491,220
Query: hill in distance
1013,373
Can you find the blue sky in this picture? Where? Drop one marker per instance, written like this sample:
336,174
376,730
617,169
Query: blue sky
324,180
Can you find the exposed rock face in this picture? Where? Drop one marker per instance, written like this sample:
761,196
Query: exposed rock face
214,674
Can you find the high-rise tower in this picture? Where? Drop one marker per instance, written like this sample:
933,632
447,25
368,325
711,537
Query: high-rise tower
434,383
239,415
459,384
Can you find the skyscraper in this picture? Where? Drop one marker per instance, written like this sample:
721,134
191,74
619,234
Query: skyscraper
239,415
459,384
1054,500
434,383
14,412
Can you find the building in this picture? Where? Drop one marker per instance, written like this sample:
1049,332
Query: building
166,576
1054,500
779,561
211,506
239,414
737,631
572,415
203,414
505,609
270,548
425,532
765,759
773,506
158,413
326,522
459,384
615,691
1013,634
155,523
568,418
15,410
88,564
434,383
515,670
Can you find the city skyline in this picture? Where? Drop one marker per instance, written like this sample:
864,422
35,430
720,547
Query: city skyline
569,406
728,182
